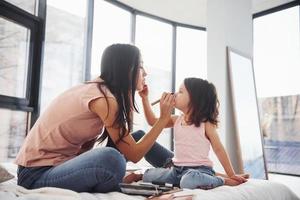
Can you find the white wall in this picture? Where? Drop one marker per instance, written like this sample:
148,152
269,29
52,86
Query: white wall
229,23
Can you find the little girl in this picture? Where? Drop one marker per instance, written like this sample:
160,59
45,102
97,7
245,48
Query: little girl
194,132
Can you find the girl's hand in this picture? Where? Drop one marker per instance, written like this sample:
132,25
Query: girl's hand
144,92
239,178
167,102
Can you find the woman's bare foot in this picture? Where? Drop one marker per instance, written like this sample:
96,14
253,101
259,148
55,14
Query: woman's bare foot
132,177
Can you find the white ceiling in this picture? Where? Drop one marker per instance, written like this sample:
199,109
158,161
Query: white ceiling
192,12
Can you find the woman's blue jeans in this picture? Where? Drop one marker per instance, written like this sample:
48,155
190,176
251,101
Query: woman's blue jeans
97,170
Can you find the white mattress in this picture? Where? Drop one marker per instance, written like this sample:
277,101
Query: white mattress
252,190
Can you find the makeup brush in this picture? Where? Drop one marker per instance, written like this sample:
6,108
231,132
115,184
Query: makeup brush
157,101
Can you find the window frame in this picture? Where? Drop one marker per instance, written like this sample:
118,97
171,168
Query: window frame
36,26
267,12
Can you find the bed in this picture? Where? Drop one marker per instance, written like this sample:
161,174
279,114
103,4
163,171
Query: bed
252,190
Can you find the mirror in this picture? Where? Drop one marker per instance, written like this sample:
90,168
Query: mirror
246,116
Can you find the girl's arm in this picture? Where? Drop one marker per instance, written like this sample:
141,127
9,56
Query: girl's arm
132,150
212,135
149,114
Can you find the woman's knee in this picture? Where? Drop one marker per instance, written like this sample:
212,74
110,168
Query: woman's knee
138,135
113,161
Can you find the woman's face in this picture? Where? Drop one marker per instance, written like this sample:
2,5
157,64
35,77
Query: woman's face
182,99
141,77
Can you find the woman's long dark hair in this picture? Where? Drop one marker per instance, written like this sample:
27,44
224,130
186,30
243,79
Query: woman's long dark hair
119,69
204,103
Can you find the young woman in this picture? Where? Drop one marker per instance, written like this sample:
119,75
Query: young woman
56,152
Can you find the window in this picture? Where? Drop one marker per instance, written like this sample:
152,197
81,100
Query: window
14,50
65,53
13,128
276,66
111,25
64,64
190,54
27,5
20,48
154,38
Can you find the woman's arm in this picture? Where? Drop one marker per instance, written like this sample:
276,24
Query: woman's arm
87,146
132,150
150,116
212,135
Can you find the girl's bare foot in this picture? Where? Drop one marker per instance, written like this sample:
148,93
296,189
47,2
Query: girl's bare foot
132,177
231,182
246,176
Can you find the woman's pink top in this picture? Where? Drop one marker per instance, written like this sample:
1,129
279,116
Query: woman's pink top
191,146
63,128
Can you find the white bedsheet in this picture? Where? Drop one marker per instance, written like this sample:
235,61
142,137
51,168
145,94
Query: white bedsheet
252,190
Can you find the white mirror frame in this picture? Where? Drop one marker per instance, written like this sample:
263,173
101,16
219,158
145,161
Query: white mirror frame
246,114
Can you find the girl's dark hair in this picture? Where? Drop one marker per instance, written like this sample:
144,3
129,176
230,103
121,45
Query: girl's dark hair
119,69
204,103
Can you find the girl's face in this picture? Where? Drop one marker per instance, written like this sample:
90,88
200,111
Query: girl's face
182,99
141,78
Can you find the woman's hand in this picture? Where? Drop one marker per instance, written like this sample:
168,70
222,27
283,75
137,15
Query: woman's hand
167,102
144,92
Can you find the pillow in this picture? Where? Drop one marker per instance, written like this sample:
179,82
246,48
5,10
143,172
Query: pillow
5,175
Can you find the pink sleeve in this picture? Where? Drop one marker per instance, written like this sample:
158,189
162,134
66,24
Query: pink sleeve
95,93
